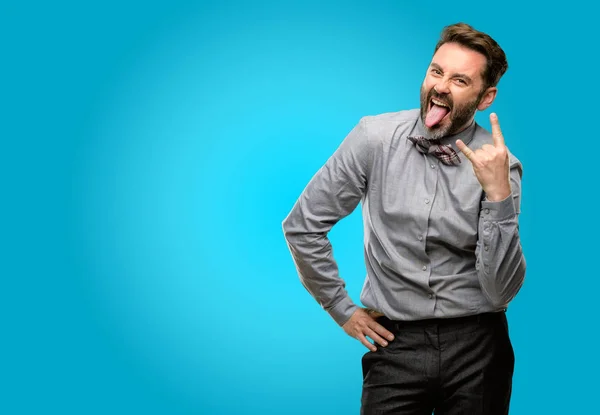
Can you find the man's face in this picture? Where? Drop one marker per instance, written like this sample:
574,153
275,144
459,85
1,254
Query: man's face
452,90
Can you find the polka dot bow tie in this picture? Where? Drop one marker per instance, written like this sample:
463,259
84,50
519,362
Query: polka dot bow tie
443,152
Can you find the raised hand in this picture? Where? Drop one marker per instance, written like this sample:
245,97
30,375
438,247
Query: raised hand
491,164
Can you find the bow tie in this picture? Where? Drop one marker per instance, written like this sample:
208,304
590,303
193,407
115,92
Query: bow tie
443,152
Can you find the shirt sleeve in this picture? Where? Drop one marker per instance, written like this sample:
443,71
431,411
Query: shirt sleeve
500,260
332,194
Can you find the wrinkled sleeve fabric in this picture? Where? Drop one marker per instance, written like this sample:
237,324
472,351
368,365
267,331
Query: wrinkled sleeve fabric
500,260
332,194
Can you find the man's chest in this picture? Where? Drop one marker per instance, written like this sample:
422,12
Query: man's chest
410,190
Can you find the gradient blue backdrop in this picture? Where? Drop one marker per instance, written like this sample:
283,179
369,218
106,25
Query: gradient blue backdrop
151,150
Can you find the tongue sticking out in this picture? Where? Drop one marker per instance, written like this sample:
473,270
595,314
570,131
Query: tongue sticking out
435,115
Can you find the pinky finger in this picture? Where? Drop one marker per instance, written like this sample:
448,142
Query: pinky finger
367,343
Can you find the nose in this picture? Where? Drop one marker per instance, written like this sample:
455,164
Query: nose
441,88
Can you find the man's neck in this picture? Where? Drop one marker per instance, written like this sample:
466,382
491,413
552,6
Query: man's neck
463,128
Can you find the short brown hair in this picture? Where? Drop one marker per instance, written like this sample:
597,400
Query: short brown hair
467,36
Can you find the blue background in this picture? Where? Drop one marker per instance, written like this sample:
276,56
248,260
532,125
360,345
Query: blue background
151,150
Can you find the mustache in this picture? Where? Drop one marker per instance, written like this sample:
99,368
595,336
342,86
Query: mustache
445,98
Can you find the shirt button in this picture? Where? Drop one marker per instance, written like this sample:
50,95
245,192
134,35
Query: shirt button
487,211
420,238
486,247
426,201
433,166
424,268
430,295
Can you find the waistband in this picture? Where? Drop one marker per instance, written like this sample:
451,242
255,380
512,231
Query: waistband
444,324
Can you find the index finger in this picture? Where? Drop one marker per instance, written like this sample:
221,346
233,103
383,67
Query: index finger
382,331
465,149
496,131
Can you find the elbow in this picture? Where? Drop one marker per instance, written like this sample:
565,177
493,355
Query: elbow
290,231
503,293
497,297
500,299
287,227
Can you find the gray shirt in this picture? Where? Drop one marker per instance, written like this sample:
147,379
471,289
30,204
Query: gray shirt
433,245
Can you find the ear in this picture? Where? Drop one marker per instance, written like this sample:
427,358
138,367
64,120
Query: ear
488,98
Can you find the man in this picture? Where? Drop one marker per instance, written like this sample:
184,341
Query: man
440,202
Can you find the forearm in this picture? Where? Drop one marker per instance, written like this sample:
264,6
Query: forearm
500,260
318,271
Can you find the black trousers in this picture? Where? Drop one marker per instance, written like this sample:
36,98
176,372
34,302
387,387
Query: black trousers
443,366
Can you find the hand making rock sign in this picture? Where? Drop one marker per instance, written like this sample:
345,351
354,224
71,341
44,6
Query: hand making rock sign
491,164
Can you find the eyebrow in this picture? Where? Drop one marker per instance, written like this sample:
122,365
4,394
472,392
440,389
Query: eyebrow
456,75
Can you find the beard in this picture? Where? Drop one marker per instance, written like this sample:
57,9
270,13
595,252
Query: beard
458,116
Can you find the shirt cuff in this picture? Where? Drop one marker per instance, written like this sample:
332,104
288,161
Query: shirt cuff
498,210
342,311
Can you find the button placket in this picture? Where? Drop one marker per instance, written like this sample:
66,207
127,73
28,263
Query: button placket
428,199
